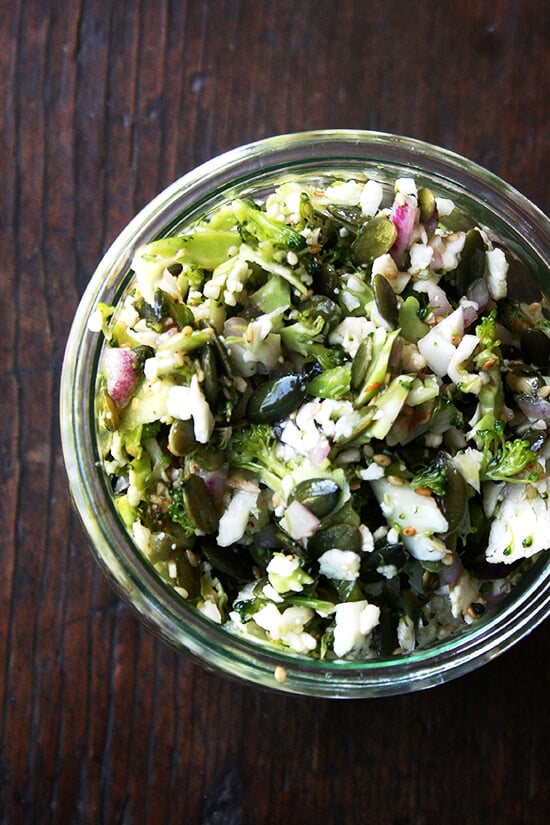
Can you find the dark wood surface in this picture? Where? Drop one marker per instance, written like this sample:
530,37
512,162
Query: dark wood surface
103,104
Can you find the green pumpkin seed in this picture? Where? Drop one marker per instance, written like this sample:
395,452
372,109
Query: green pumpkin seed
326,281
350,216
324,306
376,237
340,536
386,300
181,438
232,561
472,261
455,503
320,495
360,363
107,411
385,633
276,399
535,347
211,382
199,504
426,202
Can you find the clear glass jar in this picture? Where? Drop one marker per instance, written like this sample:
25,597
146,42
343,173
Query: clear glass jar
518,223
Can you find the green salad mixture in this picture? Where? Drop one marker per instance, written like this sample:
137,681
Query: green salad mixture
324,419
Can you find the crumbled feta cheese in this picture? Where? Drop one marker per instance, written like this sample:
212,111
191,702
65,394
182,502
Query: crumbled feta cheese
420,258
372,472
462,594
234,519
371,198
444,206
404,507
387,570
285,574
406,186
346,193
367,539
210,609
354,620
288,626
449,248
340,564
496,274
142,536
406,633
189,402
350,332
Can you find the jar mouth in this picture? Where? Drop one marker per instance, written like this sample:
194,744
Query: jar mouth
517,222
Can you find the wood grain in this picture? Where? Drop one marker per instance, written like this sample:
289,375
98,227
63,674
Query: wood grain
103,104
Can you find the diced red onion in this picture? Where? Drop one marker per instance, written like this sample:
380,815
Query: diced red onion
451,573
121,374
478,292
404,214
535,408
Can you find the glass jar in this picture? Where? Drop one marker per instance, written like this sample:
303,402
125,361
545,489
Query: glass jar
256,167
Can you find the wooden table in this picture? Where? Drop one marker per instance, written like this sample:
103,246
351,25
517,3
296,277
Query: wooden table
103,104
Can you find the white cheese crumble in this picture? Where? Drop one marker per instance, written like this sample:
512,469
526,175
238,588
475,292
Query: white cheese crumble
354,620
234,519
288,626
340,564
496,274
189,402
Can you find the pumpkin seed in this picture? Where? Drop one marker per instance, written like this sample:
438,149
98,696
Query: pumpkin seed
454,505
535,347
277,398
211,383
350,216
360,363
232,561
426,202
386,300
376,237
340,536
199,504
324,306
187,575
181,438
107,411
326,280
472,261
320,495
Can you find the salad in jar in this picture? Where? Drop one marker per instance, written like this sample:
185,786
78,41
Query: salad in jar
323,417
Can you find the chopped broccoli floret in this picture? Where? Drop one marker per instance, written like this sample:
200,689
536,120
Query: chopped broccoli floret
253,221
253,448
486,331
433,477
503,460
307,338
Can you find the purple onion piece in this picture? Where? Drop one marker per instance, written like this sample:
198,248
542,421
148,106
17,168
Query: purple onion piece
534,408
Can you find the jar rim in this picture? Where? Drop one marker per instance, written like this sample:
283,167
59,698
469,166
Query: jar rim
155,602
